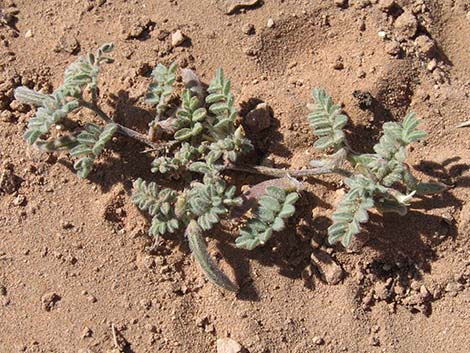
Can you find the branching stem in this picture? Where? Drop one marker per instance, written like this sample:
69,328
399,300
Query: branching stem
125,131
260,170
282,173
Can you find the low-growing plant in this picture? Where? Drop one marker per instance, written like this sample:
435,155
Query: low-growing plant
206,139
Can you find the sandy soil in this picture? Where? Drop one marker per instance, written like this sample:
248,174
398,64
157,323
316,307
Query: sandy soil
72,252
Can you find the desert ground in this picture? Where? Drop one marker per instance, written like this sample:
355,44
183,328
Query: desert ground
76,274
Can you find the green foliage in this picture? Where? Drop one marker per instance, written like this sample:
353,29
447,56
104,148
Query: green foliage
206,140
83,73
326,121
352,211
180,160
229,148
275,207
52,108
159,203
91,143
30,97
221,104
198,208
388,163
161,88
208,130
189,117
210,199
66,142
199,250
377,177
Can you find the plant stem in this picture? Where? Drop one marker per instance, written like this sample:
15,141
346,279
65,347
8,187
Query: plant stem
125,131
282,173
273,172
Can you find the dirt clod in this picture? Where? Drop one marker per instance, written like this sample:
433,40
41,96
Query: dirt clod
374,341
405,26
338,64
9,182
68,43
7,116
341,3
393,48
150,328
248,29
386,5
426,46
330,272
259,119
231,6
135,27
49,300
364,99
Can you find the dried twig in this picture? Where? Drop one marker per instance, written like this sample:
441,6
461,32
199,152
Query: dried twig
115,339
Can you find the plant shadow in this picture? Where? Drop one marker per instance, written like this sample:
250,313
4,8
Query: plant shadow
264,141
128,113
448,171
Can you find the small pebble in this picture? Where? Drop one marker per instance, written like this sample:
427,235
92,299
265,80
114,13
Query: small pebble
228,345
150,328
318,340
248,29
431,65
338,65
177,38
87,332
270,23
341,3
374,341
91,298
